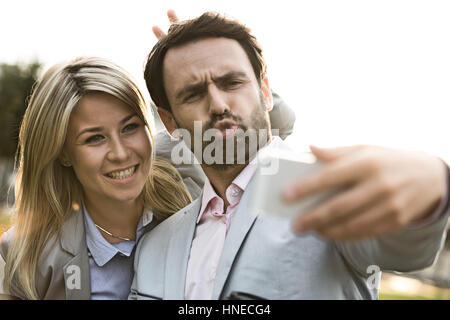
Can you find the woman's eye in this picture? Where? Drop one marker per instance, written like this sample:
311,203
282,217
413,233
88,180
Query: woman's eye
94,139
130,127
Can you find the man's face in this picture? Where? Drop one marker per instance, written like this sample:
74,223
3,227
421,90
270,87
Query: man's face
212,81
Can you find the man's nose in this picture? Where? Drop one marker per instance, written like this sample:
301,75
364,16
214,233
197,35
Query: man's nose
217,100
118,151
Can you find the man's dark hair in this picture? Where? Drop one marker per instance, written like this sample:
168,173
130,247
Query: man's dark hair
208,25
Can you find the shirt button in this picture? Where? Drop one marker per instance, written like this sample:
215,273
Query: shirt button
235,192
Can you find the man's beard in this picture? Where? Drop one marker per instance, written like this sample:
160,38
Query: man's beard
238,149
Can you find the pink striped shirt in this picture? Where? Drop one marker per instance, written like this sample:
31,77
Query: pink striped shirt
212,227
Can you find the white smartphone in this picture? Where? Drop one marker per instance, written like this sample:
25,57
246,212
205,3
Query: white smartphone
273,174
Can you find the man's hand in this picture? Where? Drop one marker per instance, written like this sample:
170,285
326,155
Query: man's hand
386,190
157,31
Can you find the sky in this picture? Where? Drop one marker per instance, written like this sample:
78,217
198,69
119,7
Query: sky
355,72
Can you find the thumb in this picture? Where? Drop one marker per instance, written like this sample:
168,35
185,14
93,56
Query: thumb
331,154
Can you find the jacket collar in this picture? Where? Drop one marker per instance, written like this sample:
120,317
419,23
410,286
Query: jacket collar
73,236
179,250
181,241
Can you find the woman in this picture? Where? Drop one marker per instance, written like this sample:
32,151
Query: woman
88,186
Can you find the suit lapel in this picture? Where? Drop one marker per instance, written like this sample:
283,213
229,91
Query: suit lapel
76,269
241,223
77,278
178,252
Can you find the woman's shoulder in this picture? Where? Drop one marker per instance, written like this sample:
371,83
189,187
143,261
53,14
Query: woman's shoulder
5,239
58,248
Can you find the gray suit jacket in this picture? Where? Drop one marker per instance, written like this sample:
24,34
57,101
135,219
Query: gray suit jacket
262,257
63,265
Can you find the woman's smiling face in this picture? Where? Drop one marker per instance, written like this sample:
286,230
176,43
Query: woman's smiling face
109,148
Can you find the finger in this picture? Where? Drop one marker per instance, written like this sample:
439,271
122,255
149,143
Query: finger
331,154
371,223
158,32
336,174
421,203
341,207
172,16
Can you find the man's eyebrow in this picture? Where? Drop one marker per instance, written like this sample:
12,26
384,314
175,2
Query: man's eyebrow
230,75
98,129
190,88
201,85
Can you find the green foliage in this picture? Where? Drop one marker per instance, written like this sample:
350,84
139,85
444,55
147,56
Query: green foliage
16,82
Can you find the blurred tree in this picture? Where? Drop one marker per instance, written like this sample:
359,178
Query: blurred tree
16,83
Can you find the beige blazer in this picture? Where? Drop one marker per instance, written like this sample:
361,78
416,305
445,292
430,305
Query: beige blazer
63,269
2,273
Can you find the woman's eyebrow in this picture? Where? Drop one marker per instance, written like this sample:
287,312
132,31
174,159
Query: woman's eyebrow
98,129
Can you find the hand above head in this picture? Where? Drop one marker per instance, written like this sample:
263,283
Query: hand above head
157,31
385,191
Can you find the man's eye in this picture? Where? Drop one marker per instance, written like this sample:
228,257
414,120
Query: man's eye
94,139
191,97
233,84
130,127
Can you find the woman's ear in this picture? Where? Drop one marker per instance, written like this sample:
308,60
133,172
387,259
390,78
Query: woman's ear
168,119
267,94
64,160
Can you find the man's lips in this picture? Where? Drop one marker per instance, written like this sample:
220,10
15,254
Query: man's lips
224,124
226,127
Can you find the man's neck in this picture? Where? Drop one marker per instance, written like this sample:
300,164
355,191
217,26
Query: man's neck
221,179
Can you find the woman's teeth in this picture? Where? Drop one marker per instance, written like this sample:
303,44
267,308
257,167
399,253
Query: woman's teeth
122,174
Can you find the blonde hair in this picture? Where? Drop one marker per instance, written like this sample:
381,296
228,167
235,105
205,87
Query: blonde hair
45,189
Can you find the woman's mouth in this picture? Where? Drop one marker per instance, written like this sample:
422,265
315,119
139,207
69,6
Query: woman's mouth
122,174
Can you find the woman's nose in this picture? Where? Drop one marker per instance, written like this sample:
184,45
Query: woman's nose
118,151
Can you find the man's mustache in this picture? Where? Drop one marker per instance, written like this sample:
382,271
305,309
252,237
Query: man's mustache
219,117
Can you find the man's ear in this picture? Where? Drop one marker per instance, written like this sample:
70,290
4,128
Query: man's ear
168,119
267,94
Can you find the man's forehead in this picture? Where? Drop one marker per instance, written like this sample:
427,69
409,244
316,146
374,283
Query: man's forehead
216,56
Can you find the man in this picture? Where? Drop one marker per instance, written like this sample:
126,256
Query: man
211,70
282,119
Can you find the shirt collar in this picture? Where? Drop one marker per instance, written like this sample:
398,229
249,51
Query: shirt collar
241,180
101,250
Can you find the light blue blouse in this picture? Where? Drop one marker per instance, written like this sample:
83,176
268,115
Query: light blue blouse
111,265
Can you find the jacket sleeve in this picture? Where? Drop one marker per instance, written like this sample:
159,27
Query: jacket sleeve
282,117
408,250
2,272
4,242
192,173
